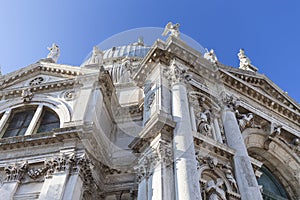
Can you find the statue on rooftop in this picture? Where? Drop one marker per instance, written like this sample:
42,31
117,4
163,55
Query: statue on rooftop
54,52
245,62
172,28
211,56
97,56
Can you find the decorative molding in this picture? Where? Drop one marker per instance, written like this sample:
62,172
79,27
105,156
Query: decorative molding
69,95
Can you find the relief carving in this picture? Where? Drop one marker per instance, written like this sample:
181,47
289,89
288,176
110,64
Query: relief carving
26,95
214,190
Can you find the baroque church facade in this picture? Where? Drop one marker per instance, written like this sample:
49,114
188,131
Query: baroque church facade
140,122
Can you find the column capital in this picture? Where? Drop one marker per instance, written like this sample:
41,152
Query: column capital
162,152
176,73
15,171
229,101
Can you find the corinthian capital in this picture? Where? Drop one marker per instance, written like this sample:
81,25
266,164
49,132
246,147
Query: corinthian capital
230,101
16,171
176,72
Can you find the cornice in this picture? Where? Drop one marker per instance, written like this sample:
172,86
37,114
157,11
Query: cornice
263,99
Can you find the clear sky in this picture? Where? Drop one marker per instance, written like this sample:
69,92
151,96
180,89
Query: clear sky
268,30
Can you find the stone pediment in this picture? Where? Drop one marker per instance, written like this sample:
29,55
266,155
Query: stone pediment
261,89
40,74
265,85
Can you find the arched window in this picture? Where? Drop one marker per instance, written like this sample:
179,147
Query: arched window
18,122
49,121
28,120
272,189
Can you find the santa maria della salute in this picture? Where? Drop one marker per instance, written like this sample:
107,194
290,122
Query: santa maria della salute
147,121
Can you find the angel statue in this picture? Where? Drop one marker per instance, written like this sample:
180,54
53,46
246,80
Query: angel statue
172,28
54,52
214,190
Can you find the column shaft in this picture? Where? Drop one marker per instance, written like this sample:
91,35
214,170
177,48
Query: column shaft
186,177
246,180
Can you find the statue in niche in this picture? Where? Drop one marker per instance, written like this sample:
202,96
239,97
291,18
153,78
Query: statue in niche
229,176
244,120
204,123
214,190
54,52
211,56
172,28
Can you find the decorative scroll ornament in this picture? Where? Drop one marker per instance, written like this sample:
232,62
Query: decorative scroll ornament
69,95
16,171
26,95
172,28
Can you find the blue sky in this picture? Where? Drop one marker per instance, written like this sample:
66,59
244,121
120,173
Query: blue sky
268,30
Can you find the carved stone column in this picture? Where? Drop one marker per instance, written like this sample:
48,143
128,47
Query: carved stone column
186,178
243,170
14,173
58,169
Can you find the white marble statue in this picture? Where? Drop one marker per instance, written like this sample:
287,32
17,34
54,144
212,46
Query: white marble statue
230,178
172,28
54,52
214,190
244,120
244,60
204,123
211,56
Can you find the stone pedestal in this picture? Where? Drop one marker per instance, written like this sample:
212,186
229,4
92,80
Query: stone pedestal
244,173
186,176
